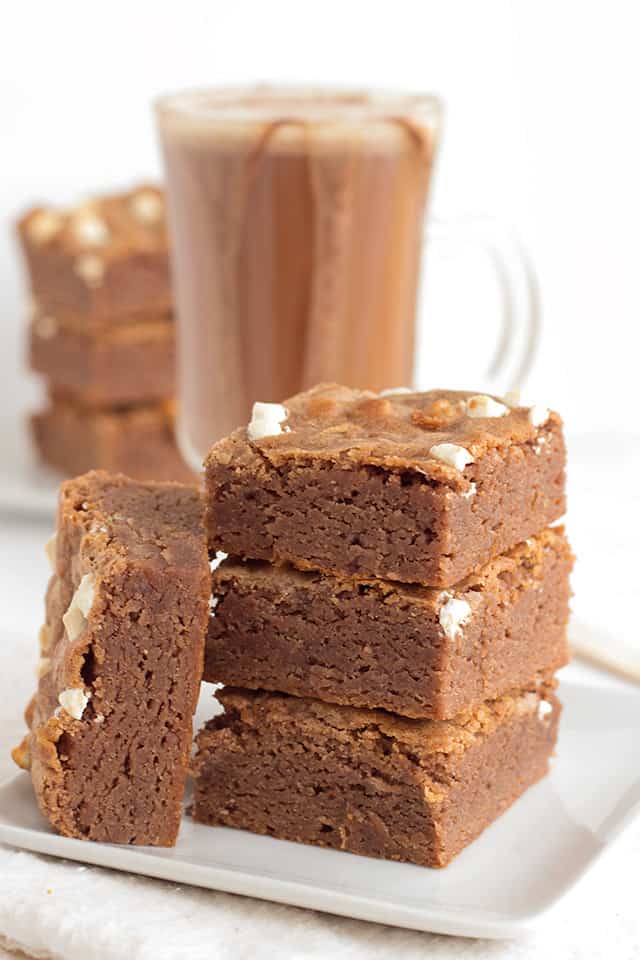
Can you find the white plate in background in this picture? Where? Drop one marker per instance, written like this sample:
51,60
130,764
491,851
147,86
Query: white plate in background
26,487
498,887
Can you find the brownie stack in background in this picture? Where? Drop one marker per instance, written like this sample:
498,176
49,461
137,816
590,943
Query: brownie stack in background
101,334
389,619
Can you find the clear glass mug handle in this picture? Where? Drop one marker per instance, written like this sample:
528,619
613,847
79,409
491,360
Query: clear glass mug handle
518,288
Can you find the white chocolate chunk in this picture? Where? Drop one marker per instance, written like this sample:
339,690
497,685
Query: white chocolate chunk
266,420
74,701
90,230
213,603
43,668
544,709
538,415
74,622
85,594
50,550
471,492
43,226
44,638
90,269
454,613
484,406
45,327
539,445
451,453
394,391
217,560
147,206
75,619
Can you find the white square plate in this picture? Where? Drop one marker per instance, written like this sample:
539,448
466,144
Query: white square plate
497,887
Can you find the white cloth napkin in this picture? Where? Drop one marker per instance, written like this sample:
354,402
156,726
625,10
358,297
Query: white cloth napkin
60,910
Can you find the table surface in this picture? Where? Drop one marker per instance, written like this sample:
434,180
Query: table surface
599,918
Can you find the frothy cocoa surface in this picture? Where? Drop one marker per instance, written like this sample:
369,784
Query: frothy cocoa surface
198,114
296,219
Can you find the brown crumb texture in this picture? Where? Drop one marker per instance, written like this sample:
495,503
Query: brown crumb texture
126,612
108,364
106,257
136,440
352,486
373,643
365,781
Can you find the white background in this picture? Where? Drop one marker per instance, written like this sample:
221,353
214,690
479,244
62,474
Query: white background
541,130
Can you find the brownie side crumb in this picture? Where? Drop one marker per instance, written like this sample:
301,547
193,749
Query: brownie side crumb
373,643
106,365
365,781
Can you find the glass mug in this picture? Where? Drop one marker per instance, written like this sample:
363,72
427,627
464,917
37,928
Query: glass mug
296,219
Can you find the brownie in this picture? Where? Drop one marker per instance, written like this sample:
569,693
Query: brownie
106,258
366,781
122,652
417,487
98,365
416,651
136,440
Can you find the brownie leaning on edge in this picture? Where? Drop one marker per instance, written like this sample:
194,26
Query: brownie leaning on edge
416,651
366,781
417,487
122,652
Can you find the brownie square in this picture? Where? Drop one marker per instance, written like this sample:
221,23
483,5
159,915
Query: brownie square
366,781
137,440
417,487
106,364
416,651
107,257
122,653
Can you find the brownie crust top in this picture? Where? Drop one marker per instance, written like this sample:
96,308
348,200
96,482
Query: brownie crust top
113,226
422,737
437,433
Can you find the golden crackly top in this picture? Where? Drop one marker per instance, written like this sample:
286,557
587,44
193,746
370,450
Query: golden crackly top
350,427
108,227
353,724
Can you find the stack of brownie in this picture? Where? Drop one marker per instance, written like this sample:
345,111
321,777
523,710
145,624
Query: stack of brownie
387,626
102,335
388,622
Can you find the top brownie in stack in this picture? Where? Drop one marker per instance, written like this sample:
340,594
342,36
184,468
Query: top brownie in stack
102,261
416,487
